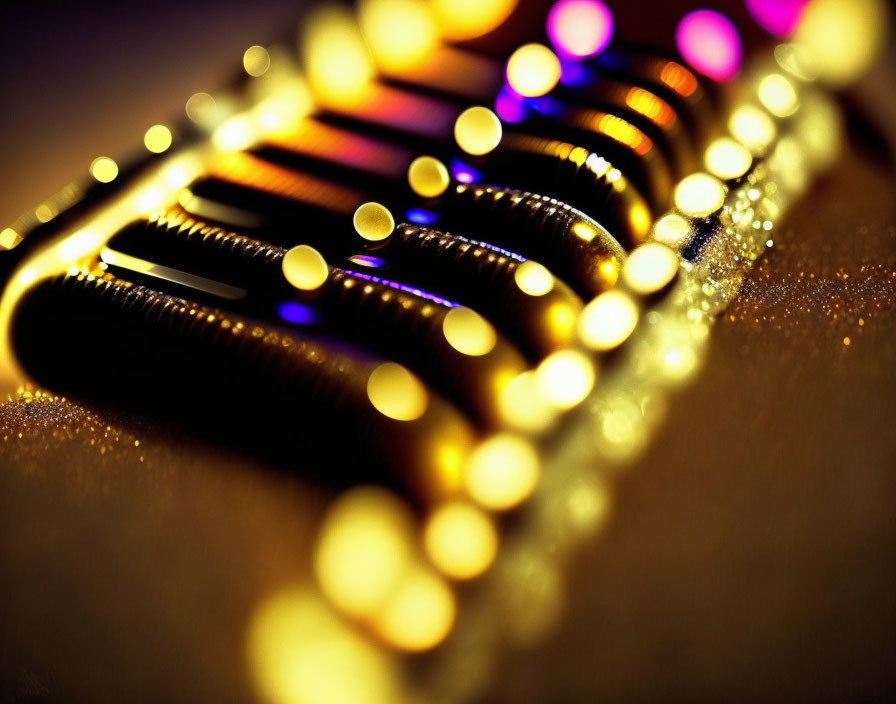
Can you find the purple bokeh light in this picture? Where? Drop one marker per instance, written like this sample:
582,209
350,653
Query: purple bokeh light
777,17
464,173
709,42
421,216
579,28
297,313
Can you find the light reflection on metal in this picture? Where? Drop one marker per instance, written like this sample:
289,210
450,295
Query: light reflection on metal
403,287
366,260
182,278
650,106
679,79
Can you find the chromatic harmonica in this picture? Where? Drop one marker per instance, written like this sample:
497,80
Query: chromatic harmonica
462,273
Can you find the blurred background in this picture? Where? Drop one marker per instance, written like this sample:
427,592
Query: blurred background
87,78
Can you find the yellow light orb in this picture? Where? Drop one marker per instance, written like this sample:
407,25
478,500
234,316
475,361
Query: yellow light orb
335,56
399,32
727,158
202,109
639,219
305,268
819,132
157,139
533,278
279,113
673,231
9,238
477,130
699,195
522,407
502,471
148,199
565,378
533,70
373,222
778,95
234,134
256,60
397,393
299,652
587,506
419,614
752,127
428,177
561,321
844,37
363,549
797,61
467,19
460,539
608,320
103,169
468,332
650,268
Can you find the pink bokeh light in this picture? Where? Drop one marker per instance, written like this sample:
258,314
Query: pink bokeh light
708,41
778,17
579,28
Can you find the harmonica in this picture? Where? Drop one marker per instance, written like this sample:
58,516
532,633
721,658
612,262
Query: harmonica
457,276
